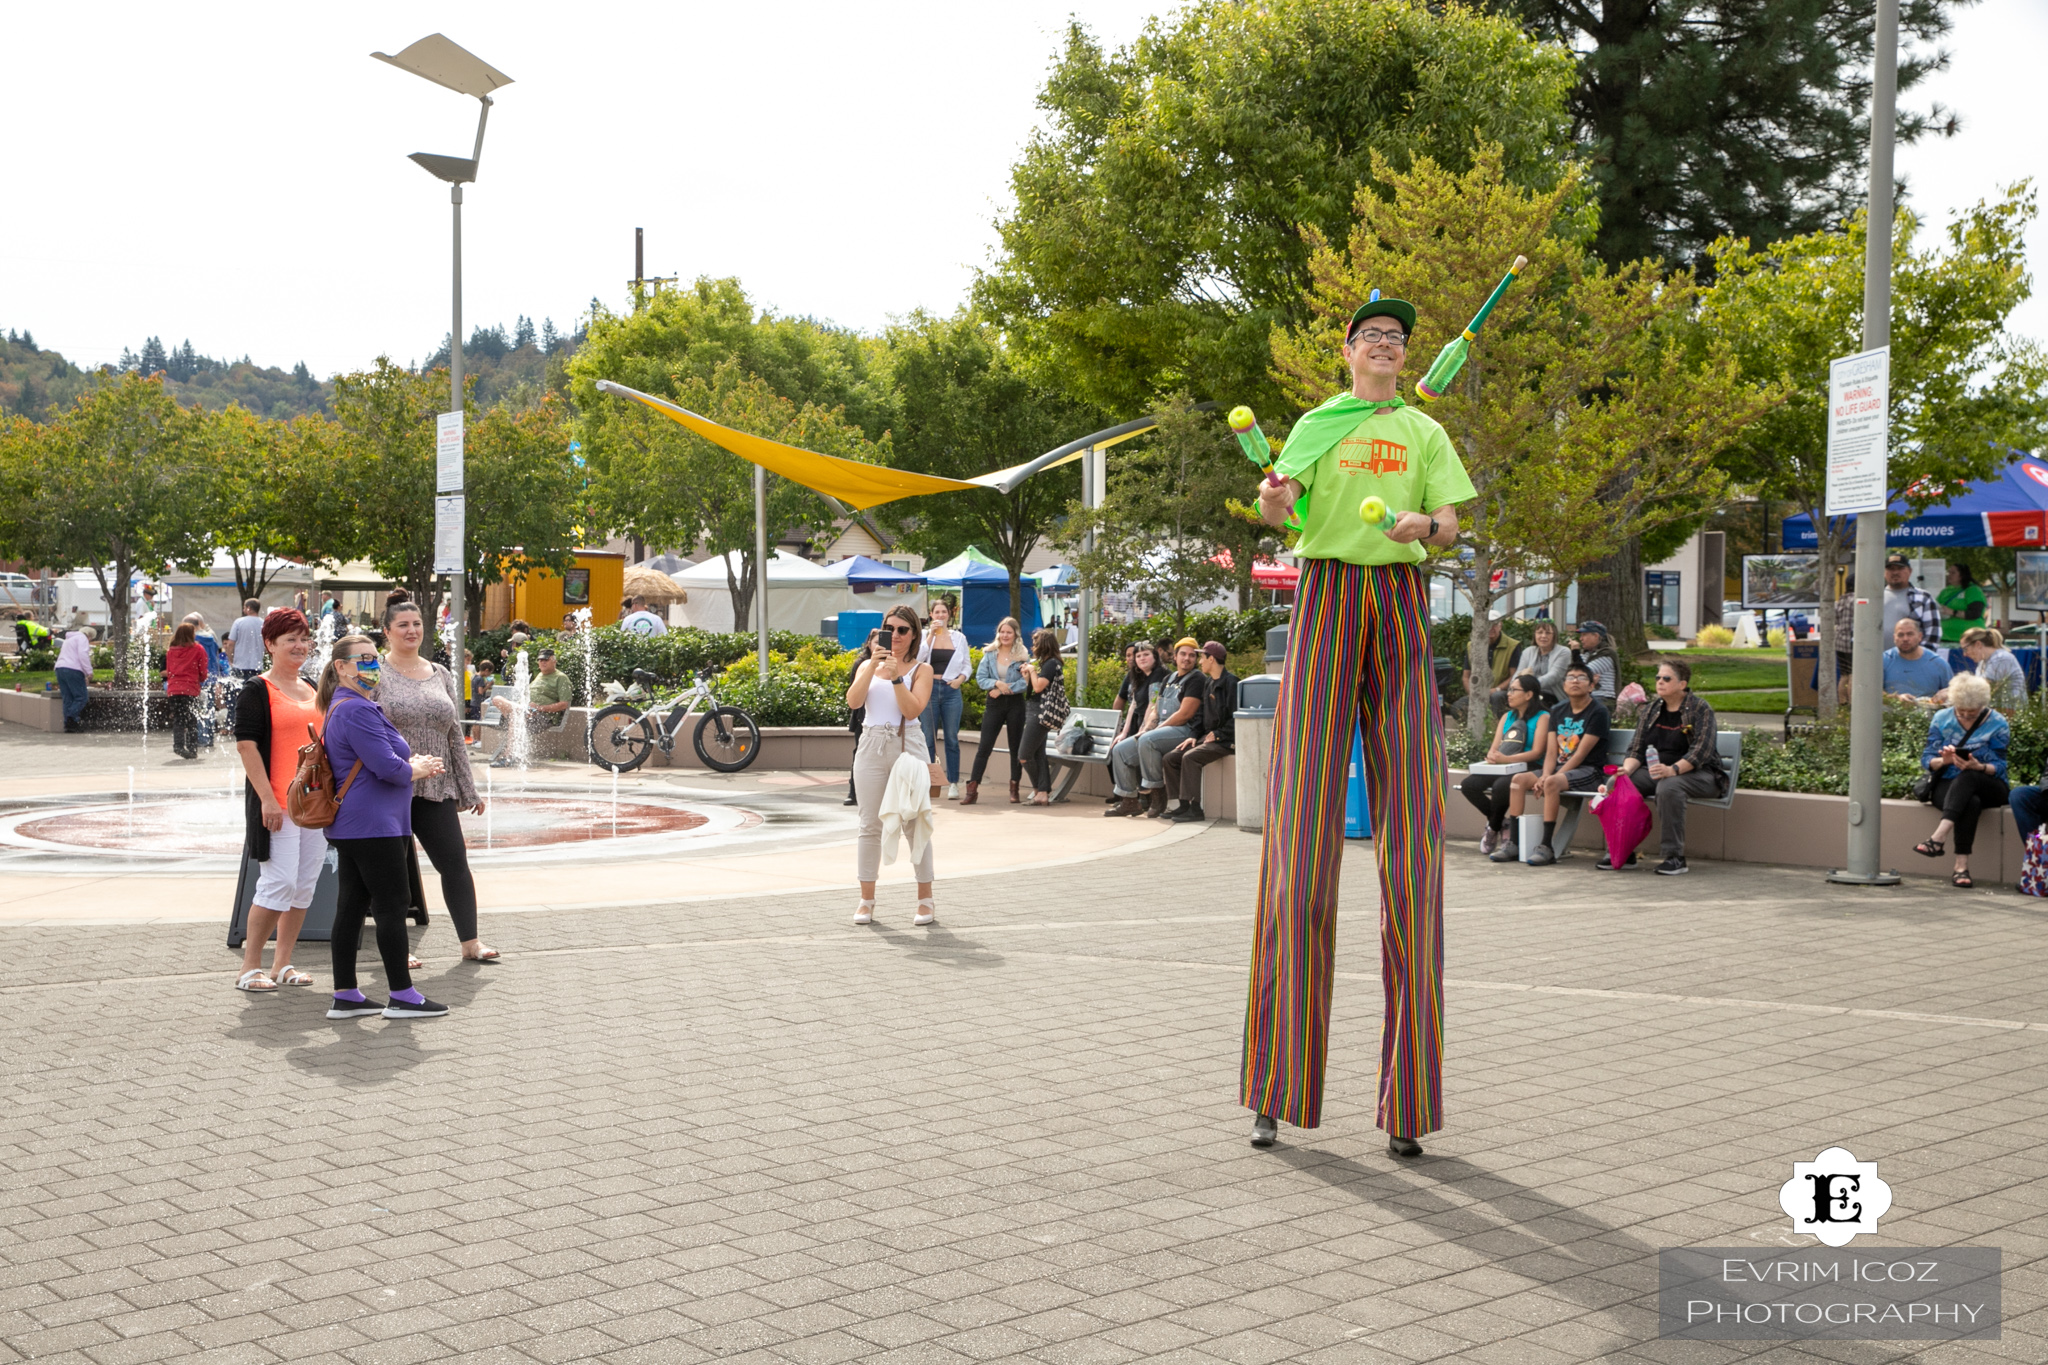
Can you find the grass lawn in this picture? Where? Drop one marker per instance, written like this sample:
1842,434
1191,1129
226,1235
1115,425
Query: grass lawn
1750,701
33,681
1732,669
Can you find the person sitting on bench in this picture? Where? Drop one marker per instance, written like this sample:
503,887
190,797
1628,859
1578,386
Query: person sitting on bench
1572,761
1676,756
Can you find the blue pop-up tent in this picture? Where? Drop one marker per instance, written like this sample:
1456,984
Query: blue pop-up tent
2010,508
865,575
984,588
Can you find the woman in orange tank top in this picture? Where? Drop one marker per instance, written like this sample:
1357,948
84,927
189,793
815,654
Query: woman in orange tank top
271,716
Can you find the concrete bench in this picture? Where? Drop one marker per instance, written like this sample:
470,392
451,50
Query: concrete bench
1101,724
1727,742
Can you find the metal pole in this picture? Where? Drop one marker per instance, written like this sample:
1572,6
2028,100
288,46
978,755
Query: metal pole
1866,707
457,618
761,569
1088,500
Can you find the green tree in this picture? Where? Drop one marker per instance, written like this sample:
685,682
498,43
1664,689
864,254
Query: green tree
1964,391
1155,238
1590,409
1737,118
1166,515
119,484
386,414
962,410
524,498
275,493
657,480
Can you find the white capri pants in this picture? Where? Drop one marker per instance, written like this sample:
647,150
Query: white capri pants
286,879
877,753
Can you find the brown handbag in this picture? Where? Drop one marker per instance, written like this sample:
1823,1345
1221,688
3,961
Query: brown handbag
311,800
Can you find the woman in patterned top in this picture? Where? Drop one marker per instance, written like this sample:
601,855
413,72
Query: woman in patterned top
420,699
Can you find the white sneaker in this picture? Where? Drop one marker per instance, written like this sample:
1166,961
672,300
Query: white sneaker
864,913
927,912
1489,840
952,791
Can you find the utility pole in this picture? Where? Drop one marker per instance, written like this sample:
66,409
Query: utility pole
1866,706
639,282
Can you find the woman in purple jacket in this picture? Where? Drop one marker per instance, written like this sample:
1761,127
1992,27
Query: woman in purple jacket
374,770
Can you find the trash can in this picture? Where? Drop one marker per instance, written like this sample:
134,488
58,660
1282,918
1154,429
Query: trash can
855,626
1257,696
1276,645
1357,813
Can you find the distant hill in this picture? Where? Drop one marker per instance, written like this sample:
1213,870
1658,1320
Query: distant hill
518,367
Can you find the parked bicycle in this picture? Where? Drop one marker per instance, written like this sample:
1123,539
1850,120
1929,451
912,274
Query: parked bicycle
624,733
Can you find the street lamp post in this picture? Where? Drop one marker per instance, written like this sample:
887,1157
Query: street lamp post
446,64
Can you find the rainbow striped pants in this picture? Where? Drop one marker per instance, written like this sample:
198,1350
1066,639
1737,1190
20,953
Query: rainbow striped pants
1357,654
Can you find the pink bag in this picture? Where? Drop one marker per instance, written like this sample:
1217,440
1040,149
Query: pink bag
1625,817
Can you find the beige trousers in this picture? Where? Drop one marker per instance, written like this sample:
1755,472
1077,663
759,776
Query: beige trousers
880,746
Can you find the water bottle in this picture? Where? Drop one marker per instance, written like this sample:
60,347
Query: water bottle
1650,759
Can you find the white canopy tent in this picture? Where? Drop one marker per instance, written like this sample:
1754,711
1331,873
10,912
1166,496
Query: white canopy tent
800,594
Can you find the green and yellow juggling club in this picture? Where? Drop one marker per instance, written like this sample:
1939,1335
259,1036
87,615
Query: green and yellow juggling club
1451,358
1257,448
1374,512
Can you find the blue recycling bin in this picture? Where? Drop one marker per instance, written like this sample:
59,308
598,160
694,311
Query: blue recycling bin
855,626
1357,814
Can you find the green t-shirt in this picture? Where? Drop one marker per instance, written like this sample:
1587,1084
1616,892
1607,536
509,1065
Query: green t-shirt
545,689
1402,454
1960,601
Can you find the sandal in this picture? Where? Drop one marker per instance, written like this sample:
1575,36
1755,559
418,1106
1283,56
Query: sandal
289,975
1961,879
483,955
927,911
255,979
1929,848
864,913
412,964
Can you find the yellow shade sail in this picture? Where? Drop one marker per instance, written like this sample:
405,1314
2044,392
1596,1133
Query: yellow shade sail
861,485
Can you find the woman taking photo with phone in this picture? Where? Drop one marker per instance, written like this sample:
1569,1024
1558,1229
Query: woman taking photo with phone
1042,672
272,714
374,773
945,649
1001,675
418,697
890,690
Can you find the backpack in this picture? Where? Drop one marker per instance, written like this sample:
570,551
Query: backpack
311,800
2034,865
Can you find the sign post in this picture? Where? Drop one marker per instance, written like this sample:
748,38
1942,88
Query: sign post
449,528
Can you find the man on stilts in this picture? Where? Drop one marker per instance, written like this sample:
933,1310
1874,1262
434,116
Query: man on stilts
1358,654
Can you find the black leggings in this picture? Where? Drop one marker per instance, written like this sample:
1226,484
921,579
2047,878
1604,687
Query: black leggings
1035,762
436,824
373,880
1489,792
184,723
1003,713
1962,798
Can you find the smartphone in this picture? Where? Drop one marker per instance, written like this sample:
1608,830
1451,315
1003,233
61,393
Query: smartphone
874,639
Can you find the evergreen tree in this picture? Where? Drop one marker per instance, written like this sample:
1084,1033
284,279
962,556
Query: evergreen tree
301,373
152,358
1742,118
522,335
550,339
28,339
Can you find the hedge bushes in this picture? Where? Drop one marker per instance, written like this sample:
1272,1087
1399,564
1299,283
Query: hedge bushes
1239,631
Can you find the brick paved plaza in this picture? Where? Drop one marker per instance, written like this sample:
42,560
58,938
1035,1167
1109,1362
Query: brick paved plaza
749,1131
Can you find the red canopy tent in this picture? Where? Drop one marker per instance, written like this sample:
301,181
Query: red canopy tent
1266,573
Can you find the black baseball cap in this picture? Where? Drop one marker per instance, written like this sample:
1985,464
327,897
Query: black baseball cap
545,654
1898,562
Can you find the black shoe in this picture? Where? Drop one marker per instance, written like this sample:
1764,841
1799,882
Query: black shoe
1606,863
353,1009
851,801
1264,1131
1403,1147
426,1009
1674,866
1188,815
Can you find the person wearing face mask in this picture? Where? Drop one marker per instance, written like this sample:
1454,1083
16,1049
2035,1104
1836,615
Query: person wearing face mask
272,716
418,697
374,774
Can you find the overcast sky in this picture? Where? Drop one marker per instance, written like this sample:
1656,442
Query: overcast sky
237,174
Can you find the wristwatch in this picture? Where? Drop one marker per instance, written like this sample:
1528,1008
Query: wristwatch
1432,529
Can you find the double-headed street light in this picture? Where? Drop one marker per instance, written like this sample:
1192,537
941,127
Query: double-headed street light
444,63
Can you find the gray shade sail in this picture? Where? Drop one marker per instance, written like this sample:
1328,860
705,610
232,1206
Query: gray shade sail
456,170
444,63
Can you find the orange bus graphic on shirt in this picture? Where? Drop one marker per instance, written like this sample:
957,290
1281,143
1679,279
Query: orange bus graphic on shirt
1371,455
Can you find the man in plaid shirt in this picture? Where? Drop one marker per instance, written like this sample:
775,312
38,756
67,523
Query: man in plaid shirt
1902,599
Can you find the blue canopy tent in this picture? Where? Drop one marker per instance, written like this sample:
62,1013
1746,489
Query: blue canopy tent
879,586
2008,509
984,588
863,574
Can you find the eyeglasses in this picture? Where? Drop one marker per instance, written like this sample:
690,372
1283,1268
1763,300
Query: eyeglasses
902,630
1373,336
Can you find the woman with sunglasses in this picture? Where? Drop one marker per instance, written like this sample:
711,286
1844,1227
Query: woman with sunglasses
418,696
374,773
890,689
